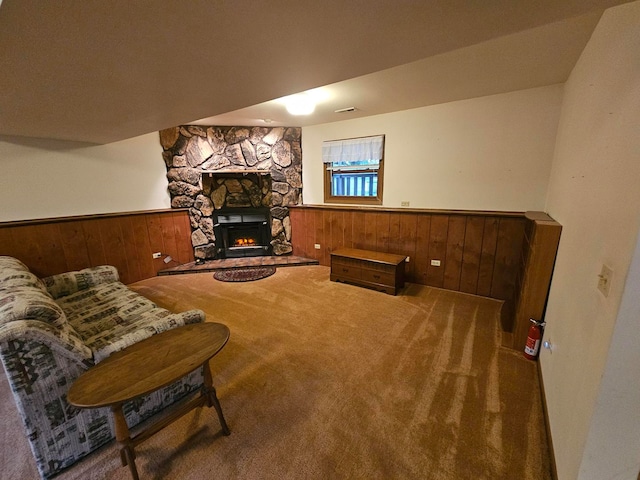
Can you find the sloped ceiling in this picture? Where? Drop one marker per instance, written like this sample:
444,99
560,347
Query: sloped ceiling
103,71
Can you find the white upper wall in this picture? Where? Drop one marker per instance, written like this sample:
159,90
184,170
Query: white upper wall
487,153
594,194
49,178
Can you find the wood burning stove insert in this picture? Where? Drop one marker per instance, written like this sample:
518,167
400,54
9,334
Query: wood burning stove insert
242,232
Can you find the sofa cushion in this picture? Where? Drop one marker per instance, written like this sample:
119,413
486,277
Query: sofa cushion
110,316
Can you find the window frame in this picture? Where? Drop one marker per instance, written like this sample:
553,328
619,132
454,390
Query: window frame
352,199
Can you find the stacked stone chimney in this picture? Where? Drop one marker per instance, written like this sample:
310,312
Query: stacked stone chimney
211,168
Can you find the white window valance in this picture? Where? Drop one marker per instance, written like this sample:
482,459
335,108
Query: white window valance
353,149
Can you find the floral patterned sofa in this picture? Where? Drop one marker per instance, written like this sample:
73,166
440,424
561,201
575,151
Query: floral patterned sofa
52,330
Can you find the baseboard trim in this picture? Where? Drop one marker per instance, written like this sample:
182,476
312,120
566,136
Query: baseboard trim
545,412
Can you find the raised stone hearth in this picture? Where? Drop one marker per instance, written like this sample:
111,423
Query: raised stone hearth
213,168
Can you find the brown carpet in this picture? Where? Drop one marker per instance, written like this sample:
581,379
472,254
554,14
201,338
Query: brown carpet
322,380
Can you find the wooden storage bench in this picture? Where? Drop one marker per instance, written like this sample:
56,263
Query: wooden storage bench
382,271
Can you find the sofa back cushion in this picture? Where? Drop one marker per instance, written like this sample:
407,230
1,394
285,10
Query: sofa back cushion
29,303
65,284
14,273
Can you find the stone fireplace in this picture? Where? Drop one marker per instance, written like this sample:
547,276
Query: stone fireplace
226,175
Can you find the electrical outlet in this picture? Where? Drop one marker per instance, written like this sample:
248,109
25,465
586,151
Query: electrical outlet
408,259
157,255
604,280
316,246
435,263
167,259
404,203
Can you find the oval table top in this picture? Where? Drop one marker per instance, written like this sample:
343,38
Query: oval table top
148,365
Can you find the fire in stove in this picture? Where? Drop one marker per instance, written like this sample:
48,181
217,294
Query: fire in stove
244,242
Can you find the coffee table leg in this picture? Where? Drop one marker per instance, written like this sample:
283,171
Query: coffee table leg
127,453
212,398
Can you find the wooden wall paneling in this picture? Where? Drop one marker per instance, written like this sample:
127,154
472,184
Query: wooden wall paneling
93,237
126,241
41,267
50,256
487,256
134,260
319,235
437,249
407,234
471,255
347,218
455,249
27,249
326,236
182,227
508,259
171,238
74,245
309,222
382,232
23,239
508,256
113,243
25,245
168,236
369,231
298,230
421,260
395,242
156,242
140,229
336,219
7,245
358,230
300,238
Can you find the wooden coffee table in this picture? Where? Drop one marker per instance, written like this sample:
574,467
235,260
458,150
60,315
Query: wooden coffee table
147,366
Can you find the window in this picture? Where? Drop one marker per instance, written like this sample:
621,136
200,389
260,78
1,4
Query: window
353,170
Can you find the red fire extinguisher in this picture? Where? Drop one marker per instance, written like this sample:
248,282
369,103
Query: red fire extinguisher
532,346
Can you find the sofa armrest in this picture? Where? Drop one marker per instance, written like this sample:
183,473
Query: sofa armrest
190,316
67,283
153,327
20,338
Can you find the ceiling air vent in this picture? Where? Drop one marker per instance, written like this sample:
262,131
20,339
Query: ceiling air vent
345,110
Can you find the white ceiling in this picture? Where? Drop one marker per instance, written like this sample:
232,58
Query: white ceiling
102,71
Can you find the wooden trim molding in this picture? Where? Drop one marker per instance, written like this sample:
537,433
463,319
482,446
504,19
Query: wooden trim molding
40,221
429,211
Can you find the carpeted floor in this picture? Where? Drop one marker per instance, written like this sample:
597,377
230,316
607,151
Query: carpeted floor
322,380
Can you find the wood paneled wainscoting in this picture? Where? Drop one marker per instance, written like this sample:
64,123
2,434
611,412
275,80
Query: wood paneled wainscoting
125,240
479,252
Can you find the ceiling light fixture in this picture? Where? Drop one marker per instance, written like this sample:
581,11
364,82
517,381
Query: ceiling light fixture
300,104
